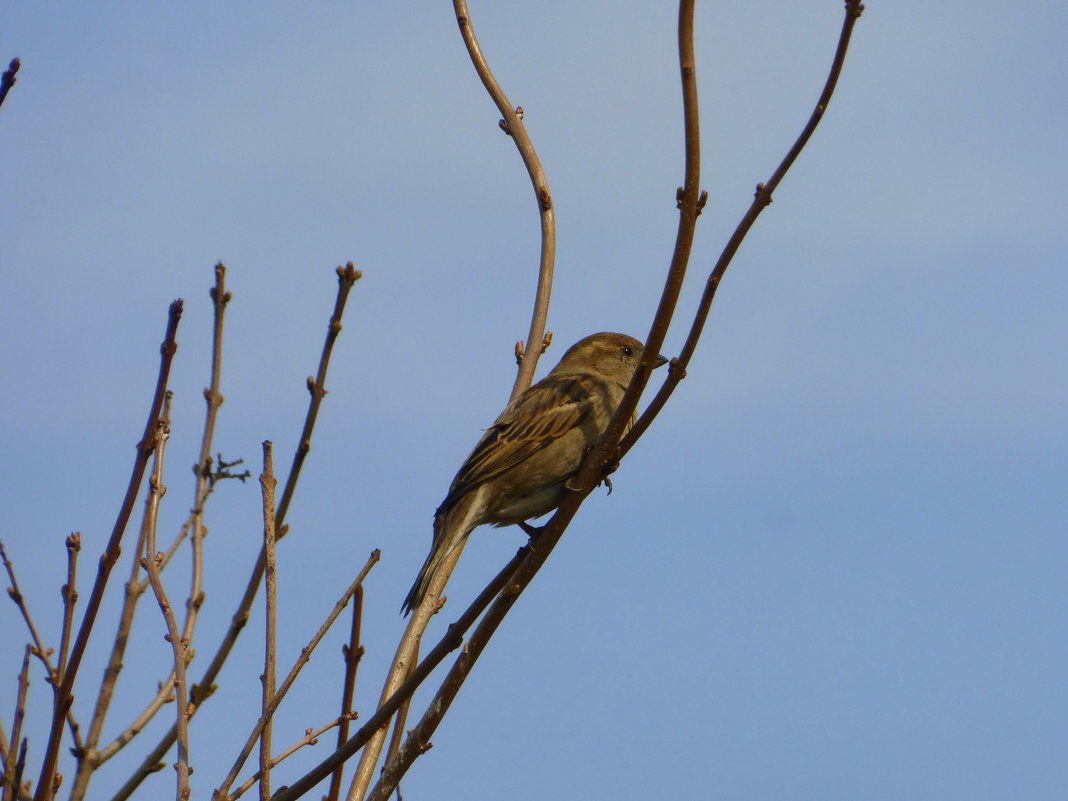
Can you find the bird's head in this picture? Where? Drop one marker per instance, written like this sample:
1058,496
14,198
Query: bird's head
614,356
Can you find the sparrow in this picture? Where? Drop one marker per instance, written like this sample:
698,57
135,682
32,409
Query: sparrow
520,467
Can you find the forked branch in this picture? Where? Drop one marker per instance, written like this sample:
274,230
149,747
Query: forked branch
761,200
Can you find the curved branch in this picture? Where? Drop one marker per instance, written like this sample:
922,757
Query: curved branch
761,200
512,124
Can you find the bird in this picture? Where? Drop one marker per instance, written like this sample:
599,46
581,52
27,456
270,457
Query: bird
520,467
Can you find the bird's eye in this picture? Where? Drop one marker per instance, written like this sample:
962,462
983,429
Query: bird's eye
626,351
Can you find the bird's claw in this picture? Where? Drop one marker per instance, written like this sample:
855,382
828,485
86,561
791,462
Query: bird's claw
532,531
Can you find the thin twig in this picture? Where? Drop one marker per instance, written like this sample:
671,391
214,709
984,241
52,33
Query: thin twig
352,652
512,124
203,689
15,593
69,593
92,757
203,468
132,592
291,677
761,200
150,562
164,695
450,641
311,737
109,557
7,80
268,483
38,650
207,476
219,472
11,782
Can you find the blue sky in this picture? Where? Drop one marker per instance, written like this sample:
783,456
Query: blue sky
835,566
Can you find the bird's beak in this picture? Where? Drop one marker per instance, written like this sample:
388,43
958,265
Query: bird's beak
660,361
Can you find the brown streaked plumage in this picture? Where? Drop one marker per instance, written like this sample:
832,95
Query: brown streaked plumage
519,468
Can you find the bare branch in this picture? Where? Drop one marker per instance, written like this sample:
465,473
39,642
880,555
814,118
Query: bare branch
452,640
150,563
38,649
353,652
69,593
11,781
219,471
291,677
406,656
311,737
15,593
92,758
512,124
268,482
109,557
205,480
347,276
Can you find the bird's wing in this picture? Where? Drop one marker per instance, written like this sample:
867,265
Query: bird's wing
543,414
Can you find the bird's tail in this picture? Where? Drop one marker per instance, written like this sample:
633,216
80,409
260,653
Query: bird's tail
422,581
450,529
